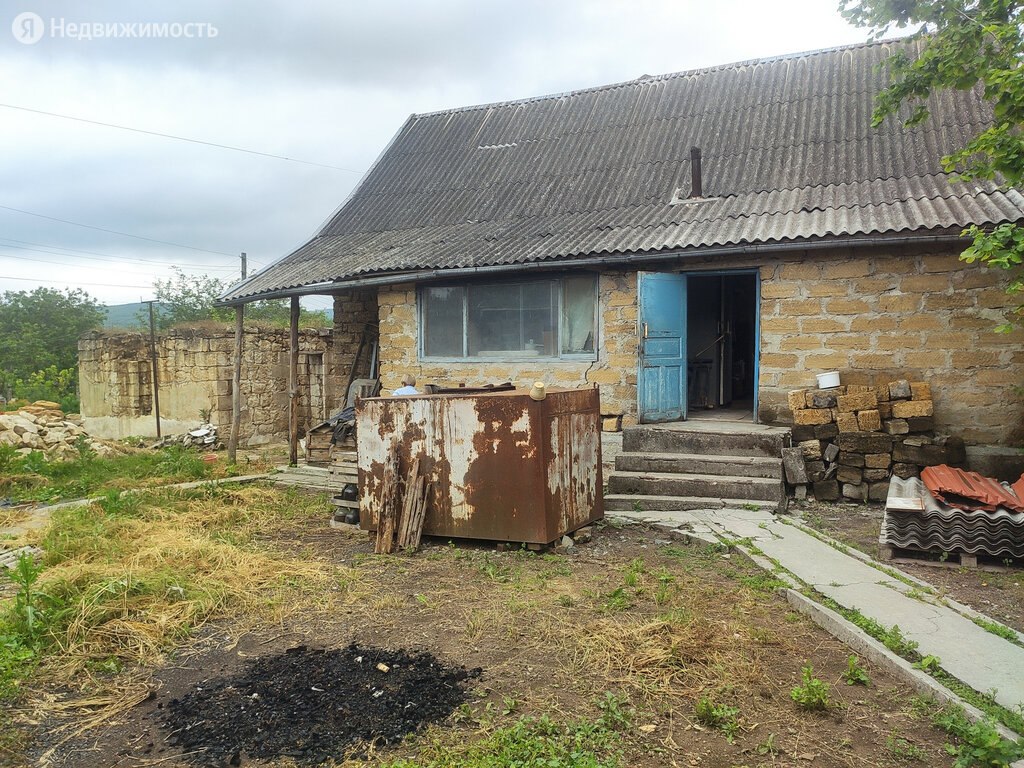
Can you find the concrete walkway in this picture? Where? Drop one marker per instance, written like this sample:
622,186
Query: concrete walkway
977,657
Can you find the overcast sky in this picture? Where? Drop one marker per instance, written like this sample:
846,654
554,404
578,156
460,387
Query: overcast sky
325,81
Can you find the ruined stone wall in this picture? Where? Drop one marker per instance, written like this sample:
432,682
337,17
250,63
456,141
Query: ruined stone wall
195,369
874,315
614,370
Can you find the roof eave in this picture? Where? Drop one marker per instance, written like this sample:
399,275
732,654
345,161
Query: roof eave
930,237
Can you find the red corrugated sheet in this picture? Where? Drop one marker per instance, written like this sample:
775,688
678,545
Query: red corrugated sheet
969,490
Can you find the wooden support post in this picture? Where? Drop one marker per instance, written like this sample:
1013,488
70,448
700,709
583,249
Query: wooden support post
293,386
236,387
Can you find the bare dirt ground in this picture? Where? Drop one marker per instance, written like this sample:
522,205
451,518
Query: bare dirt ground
999,595
655,621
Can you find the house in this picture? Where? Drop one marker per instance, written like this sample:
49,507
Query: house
690,242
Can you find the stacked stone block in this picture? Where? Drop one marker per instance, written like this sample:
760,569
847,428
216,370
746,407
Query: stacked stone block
855,437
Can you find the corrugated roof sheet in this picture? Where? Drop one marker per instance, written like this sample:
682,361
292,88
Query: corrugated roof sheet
788,154
969,490
939,527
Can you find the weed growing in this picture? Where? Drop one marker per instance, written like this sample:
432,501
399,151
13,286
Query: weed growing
813,693
975,743
904,751
855,674
997,629
720,716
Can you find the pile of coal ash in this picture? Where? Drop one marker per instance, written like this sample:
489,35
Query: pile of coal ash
314,704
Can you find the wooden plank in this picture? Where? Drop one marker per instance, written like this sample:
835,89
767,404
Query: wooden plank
954,560
421,513
408,504
386,521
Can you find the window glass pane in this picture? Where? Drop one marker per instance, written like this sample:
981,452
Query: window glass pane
578,311
442,322
516,318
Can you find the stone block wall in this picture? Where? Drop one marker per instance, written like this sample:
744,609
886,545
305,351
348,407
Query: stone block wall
614,371
355,314
195,369
876,316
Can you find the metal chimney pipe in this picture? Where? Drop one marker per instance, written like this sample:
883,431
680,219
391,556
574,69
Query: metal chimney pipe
696,183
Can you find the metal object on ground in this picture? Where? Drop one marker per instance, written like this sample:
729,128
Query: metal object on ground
501,466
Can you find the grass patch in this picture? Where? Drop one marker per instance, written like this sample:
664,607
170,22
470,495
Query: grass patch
125,579
535,742
33,477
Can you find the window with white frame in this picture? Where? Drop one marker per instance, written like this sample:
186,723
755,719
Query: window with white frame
549,318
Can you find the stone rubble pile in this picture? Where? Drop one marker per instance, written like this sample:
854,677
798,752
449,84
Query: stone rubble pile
853,439
203,436
43,426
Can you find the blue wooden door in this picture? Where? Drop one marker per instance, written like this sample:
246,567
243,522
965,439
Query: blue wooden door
662,377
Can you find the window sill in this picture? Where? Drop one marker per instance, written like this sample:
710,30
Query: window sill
509,359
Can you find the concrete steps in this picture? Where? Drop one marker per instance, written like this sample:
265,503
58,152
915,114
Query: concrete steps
688,484
698,465
744,466
754,440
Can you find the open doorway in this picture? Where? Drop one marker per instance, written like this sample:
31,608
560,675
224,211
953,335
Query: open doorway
721,343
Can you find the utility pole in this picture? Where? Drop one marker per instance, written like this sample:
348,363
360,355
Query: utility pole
152,355
236,376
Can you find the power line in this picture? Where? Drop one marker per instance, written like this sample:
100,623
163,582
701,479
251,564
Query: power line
93,267
115,232
109,258
71,283
180,138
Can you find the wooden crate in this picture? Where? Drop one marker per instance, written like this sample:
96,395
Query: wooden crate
318,447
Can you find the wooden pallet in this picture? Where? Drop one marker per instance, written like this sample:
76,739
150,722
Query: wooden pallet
908,556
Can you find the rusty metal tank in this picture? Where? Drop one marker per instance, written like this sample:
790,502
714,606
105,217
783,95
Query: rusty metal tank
501,466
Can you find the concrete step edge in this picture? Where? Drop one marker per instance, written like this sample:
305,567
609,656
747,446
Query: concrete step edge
697,477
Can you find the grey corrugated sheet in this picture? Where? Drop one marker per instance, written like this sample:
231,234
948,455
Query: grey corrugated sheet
788,154
943,528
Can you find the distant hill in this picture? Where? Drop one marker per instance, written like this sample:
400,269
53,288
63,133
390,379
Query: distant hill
127,315
124,315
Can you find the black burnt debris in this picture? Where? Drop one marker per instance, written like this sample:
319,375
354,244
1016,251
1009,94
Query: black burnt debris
313,705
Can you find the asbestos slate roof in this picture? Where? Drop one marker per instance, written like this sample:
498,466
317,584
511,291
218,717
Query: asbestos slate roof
788,155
